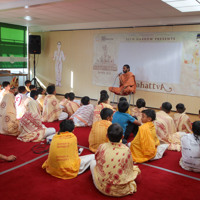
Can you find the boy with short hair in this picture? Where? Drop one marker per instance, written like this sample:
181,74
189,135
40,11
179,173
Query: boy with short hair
31,87
165,127
70,106
182,120
27,85
51,109
84,115
9,125
41,97
21,101
98,133
63,160
127,122
113,171
31,127
6,89
137,111
144,145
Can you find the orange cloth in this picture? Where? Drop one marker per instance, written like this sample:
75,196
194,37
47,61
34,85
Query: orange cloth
114,173
51,109
98,134
127,84
144,145
71,107
182,123
98,109
137,112
9,125
63,160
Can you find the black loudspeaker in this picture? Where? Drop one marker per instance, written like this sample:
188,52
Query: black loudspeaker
34,44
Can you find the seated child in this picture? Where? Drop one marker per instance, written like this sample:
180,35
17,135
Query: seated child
165,127
181,120
137,111
190,148
31,127
21,101
32,87
103,103
64,100
113,171
104,92
63,160
144,145
84,115
70,106
9,125
98,133
127,122
51,108
6,89
124,99
41,97
27,85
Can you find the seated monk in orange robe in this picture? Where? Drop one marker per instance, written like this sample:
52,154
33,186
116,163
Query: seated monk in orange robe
127,83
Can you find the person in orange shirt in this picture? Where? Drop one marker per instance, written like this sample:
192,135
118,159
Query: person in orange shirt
98,133
144,146
63,160
127,82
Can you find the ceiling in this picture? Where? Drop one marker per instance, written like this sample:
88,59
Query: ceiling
90,14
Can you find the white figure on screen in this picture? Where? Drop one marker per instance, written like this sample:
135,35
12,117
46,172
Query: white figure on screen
59,58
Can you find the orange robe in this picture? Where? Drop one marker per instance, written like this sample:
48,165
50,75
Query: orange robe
98,109
63,160
127,84
51,109
144,145
9,125
182,123
98,134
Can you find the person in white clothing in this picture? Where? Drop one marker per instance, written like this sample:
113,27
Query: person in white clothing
190,144
59,58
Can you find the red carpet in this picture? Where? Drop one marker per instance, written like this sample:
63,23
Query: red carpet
32,182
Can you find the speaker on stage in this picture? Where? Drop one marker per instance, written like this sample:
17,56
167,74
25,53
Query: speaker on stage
34,44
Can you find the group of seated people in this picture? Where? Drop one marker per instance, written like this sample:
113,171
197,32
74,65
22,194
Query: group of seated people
112,165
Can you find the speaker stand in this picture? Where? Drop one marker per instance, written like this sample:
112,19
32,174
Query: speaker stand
36,83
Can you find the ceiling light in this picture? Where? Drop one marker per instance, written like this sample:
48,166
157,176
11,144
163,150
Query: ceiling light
28,18
184,5
26,6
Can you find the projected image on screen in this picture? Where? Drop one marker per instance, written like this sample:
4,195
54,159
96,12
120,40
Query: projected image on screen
152,62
